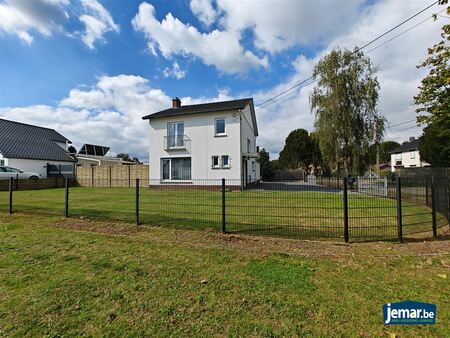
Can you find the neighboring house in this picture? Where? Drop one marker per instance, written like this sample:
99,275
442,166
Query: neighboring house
202,143
407,156
34,149
93,155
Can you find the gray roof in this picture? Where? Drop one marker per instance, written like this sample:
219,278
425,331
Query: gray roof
202,108
20,140
406,146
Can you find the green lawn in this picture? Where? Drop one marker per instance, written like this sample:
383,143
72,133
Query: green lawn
291,214
61,278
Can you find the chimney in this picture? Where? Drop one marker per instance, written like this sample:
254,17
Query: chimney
176,103
412,138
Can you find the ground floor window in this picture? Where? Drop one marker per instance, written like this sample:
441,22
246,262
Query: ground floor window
225,161
176,168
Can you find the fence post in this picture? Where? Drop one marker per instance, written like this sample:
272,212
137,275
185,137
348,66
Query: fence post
399,210
11,185
137,201
66,200
345,211
433,205
426,191
110,176
223,207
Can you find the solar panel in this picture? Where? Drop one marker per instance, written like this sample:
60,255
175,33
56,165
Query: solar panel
92,149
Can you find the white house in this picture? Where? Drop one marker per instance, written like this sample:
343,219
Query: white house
203,143
407,156
34,149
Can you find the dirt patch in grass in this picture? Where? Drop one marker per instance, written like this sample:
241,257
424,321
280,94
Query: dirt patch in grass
264,245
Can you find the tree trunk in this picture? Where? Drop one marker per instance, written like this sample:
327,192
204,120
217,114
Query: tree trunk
377,169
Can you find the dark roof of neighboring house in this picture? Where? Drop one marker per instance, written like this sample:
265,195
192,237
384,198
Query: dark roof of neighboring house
407,146
201,108
25,141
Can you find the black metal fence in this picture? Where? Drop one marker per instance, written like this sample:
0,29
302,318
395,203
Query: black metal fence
324,208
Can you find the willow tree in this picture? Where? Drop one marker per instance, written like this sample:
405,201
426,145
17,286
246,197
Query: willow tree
344,102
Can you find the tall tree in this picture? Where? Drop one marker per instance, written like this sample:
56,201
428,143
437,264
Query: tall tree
433,100
297,151
434,144
344,102
266,167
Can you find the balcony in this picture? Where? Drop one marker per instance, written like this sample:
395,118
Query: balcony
177,142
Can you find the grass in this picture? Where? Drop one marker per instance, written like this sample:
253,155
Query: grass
83,278
291,214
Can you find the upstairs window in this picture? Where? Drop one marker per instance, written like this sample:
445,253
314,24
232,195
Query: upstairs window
413,154
220,127
175,134
2,162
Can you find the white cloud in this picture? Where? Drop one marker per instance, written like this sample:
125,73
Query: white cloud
97,22
204,11
108,113
175,71
278,25
221,49
21,17
398,75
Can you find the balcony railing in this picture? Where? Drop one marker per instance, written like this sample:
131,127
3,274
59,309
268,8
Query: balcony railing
178,142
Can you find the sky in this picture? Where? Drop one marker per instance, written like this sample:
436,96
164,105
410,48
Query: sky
92,68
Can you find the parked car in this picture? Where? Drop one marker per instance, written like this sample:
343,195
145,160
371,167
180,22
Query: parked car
8,172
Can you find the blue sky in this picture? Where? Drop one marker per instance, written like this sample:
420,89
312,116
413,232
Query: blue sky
91,68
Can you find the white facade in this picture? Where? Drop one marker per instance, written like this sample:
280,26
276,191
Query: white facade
31,166
407,159
209,154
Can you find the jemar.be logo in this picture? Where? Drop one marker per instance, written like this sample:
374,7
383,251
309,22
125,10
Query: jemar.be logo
409,312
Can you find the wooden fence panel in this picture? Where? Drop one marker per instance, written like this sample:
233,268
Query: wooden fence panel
112,176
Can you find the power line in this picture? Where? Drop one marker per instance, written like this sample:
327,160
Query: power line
405,31
406,128
400,24
399,124
272,99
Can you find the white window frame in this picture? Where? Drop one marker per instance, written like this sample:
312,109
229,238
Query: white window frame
253,166
227,166
170,179
176,123
224,126
412,155
2,163
218,162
